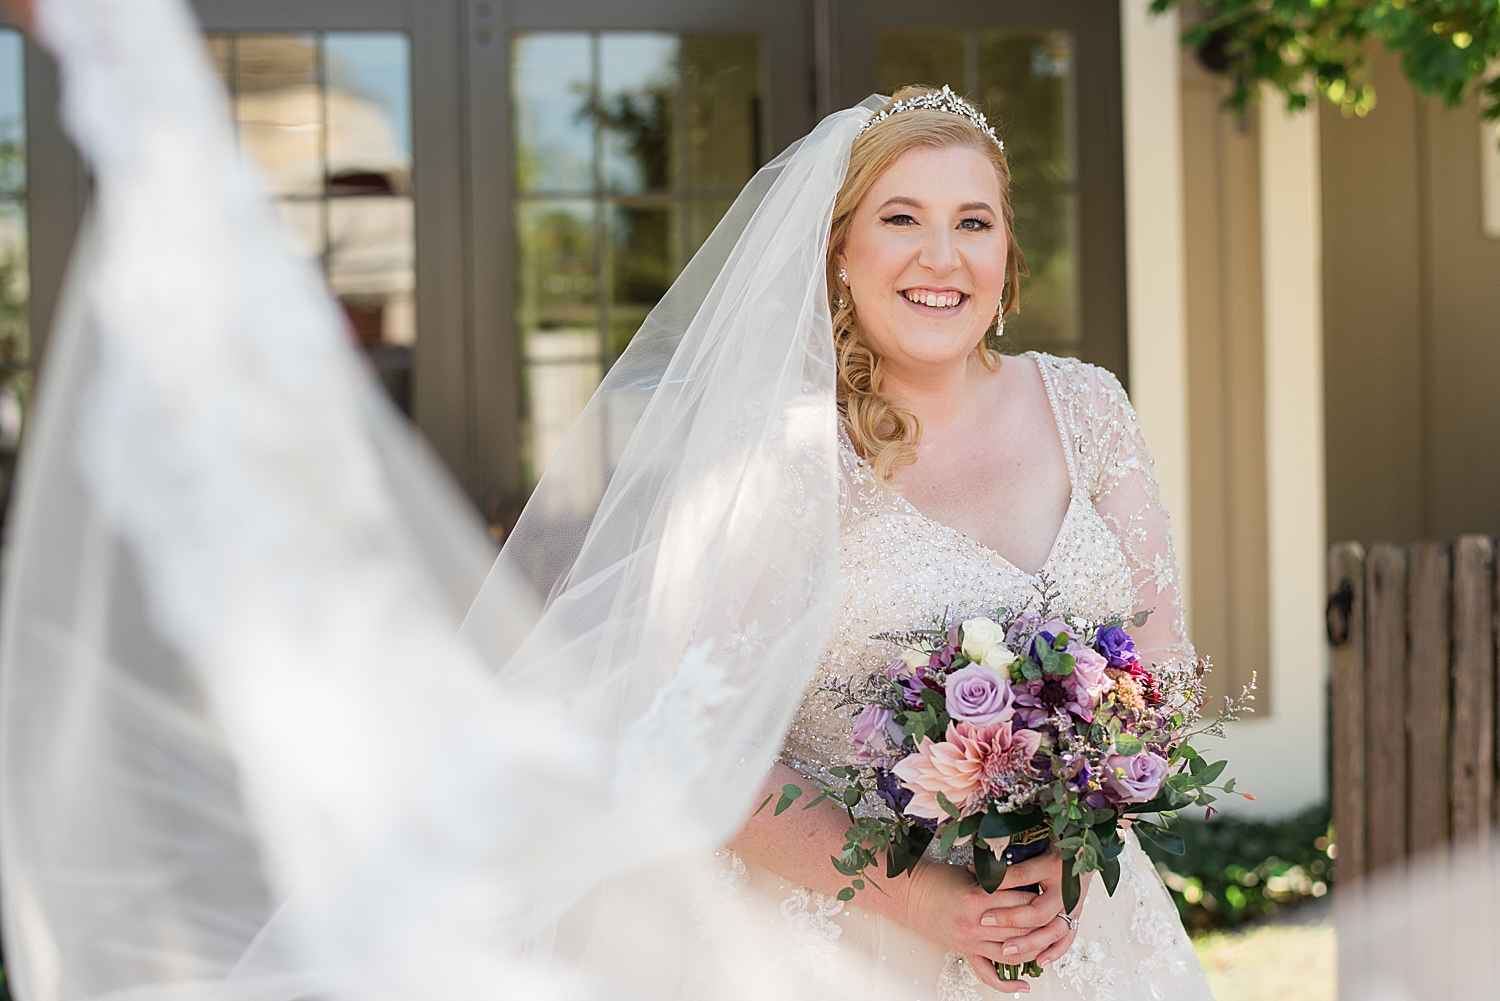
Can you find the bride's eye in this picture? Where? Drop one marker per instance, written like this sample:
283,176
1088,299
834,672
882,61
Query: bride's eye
899,219
976,224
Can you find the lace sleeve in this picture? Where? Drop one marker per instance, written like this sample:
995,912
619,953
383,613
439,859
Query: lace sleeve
1124,491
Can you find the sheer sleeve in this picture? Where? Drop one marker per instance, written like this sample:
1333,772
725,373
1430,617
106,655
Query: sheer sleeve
1122,485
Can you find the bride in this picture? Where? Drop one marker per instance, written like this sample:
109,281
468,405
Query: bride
967,475
262,741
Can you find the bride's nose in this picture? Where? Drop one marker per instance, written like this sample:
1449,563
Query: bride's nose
938,253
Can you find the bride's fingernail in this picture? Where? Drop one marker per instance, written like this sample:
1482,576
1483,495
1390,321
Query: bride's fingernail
1009,950
988,921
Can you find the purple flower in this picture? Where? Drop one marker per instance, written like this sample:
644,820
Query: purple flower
1115,644
979,695
1080,779
1088,670
876,733
897,796
1038,700
1136,778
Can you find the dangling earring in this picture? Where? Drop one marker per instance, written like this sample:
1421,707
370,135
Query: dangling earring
1000,315
843,277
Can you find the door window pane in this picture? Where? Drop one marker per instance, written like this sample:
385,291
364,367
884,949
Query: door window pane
638,110
326,117
15,271
629,148
551,90
1023,81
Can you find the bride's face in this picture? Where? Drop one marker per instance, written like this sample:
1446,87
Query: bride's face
926,256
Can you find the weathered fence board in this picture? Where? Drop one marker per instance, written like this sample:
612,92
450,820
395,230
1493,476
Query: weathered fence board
1473,728
1414,675
1429,615
1346,634
1385,706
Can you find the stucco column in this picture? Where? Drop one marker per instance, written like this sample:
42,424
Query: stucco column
1157,302
1278,752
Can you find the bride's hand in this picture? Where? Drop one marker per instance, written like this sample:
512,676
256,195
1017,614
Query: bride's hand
947,905
1045,935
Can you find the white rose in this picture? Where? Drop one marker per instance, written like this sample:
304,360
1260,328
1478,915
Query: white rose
916,658
984,643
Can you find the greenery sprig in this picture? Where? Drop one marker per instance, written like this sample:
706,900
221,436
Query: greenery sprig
1445,46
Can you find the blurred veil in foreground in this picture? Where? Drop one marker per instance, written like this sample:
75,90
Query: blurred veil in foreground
1426,929
248,752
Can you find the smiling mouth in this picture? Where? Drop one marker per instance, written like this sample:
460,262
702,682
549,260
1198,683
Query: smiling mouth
934,300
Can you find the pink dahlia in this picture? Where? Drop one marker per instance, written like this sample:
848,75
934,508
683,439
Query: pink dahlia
953,767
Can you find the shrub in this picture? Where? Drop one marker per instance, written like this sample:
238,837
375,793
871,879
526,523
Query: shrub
1237,870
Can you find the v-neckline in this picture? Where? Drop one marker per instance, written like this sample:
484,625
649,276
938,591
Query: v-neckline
1062,528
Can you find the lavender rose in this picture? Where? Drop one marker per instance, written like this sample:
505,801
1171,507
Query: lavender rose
1116,646
1088,669
875,731
1138,778
979,695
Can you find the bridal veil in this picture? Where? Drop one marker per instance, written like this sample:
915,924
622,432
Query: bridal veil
256,742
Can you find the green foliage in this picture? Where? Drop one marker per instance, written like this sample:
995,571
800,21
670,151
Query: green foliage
1234,870
1445,46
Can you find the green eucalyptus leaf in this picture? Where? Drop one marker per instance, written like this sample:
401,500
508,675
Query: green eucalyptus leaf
1109,870
1164,839
989,868
1007,825
1072,888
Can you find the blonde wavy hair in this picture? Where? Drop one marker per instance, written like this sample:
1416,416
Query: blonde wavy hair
885,435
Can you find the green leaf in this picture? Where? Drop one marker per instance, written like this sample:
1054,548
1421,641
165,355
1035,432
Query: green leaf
970,825
1139,618
1229,786
851,797
1128,744
949,835
989,868
763,804
1072,888
859,884
1166,840
947,805
1212,773
821,797
1109,870
846,894
1007,825
906,851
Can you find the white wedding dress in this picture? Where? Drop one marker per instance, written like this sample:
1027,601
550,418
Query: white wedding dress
1112,554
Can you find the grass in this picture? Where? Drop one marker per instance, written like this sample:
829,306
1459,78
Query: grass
1271,962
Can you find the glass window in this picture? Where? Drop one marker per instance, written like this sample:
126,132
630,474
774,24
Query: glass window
1022,80
15,285
326,116
629,148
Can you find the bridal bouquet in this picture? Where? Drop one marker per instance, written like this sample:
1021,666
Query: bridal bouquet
1012,731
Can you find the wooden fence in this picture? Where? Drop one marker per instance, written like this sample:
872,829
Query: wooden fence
1413,633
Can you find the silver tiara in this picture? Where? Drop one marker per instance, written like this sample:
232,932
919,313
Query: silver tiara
938,100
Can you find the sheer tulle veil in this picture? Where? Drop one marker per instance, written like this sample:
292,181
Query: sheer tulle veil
260,740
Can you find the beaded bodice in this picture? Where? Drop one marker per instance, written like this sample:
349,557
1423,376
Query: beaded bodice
899,568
